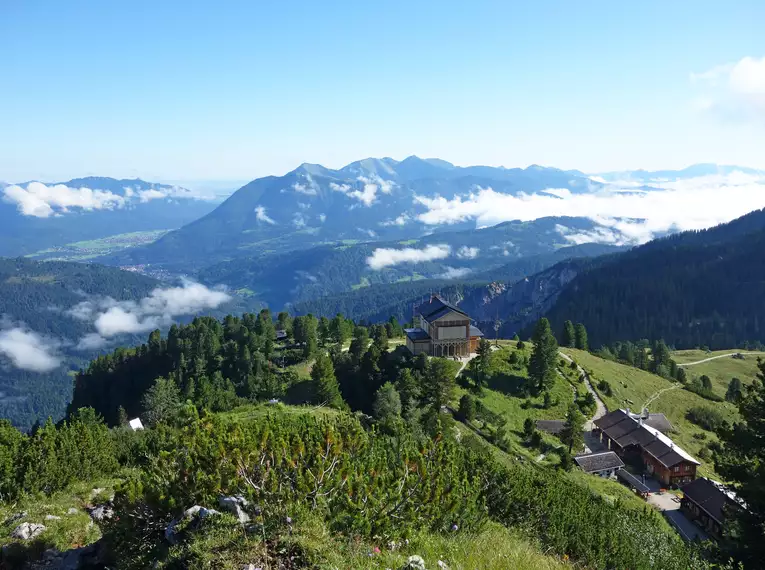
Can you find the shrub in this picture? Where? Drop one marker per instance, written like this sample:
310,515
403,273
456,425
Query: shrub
706,418
605,388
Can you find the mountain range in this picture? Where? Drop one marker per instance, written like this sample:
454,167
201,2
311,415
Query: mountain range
369,200
35,216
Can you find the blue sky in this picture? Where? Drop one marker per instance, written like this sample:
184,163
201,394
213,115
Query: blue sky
188,90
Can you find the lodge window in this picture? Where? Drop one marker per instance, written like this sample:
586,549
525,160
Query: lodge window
676,469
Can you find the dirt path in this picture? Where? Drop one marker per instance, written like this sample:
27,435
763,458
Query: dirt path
658,394
600,409
720,356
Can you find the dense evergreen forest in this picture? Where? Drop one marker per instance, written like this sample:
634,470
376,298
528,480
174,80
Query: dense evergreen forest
692,289
377,302
36,295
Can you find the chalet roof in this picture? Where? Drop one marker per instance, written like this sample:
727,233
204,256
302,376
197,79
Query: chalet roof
709,496
625,430
593,462
416,335
475,331
437,308
659,422
632,481
551,426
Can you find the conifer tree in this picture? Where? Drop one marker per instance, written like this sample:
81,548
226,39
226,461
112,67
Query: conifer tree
735,391
572,433
569,335
161,401
543,358
580,336
323,376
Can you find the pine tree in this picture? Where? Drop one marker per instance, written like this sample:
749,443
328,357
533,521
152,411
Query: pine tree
161,401
359,343
735,391
325,382
122,417
528,428
580,337
438,384
387,405
572,432
466,410
482,362
543,358
569,335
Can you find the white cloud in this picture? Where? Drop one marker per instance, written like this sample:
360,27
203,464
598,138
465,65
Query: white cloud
735,90
298,220
261,216
111,318
399,221
42,201
596,235
322,218
28,350
370,233
386,257
466,252
634,217
91,341
309,187
344,188
367,194
453,273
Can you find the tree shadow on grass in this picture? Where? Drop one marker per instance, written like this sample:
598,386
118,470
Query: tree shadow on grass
300,392
510,384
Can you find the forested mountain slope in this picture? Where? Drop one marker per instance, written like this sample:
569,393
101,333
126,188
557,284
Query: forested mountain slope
508,252
34,298
515,293
691,289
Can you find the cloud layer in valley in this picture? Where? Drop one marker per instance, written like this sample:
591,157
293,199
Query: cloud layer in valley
633,215
111,318
43,201
28,350
383,257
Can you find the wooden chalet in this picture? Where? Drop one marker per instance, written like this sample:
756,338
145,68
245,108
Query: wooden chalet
632,438
442,329
708,503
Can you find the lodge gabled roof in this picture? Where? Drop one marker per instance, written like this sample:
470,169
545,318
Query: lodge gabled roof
594,462
709,496
625,430
437,308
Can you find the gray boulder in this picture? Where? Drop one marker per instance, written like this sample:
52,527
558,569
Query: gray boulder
52,518
235,505
101,513
27,531
414,562
195,512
